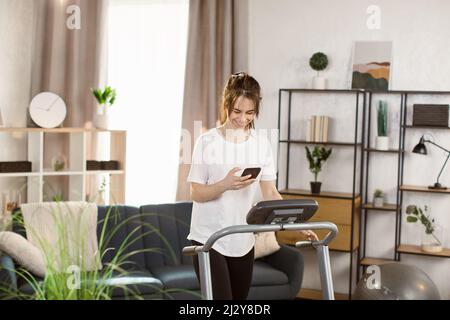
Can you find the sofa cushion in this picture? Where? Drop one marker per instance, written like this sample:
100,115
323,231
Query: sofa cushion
264,274
265,244
177,277
180,282
64,232
22,252
171,223
183,276
123,227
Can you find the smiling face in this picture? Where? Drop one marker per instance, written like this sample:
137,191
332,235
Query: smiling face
242,114
240,101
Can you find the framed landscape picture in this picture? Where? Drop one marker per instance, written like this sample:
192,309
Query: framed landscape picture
372,65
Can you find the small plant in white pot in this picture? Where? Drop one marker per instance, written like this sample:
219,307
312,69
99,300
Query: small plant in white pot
378,198
318,62
382,140
105,99
431,238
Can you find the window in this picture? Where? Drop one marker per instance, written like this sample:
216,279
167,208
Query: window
146,63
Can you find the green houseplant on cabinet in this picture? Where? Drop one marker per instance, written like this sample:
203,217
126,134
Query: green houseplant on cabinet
382,139
315,159
318,62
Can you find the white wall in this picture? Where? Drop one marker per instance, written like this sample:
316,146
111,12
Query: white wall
284,34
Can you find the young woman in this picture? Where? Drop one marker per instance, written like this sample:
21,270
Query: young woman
221,196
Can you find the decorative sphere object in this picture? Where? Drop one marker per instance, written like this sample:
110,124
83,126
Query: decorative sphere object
397,281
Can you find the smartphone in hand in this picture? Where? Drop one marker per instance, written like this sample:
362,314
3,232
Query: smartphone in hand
253,171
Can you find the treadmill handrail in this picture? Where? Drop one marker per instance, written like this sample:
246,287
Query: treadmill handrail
267,228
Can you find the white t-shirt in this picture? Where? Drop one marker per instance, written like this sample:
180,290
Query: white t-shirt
212,159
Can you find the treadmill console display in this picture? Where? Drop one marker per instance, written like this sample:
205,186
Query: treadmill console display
282,211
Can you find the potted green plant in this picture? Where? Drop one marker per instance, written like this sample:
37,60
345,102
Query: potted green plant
378,198
105,99
431,240
315,159
382,140
318,62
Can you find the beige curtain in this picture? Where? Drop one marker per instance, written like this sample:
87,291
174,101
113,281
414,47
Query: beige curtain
70,62
209,64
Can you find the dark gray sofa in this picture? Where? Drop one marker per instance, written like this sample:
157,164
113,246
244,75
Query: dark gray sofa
162,271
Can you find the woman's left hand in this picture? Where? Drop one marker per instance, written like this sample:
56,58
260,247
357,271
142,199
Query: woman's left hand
310,235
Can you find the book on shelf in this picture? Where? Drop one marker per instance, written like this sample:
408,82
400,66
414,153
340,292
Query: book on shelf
325,129
317,129
309,125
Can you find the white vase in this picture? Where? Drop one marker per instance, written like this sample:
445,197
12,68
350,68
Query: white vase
102,119
319,83
432,242
101,199
382,143
378,201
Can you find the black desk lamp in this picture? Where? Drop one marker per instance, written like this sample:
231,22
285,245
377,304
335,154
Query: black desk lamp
420,148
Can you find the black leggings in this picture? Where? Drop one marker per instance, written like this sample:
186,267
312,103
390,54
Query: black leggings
231,276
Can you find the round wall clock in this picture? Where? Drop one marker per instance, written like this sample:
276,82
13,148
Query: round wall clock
48,110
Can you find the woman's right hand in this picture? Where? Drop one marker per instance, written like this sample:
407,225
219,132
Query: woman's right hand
232,182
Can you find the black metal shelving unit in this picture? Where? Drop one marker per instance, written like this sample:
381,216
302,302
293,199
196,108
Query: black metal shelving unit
356,145
369,152
407,249
401,188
